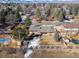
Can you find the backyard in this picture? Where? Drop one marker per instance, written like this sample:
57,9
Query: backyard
55,53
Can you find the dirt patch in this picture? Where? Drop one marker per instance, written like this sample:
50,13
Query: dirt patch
56,54
10,54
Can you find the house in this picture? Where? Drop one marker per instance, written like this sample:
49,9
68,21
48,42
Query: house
45,27
68,28
72,27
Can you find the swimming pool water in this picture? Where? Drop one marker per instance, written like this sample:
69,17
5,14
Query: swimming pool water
2,40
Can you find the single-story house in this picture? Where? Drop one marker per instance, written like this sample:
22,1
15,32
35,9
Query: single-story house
45,27
68,27
71,27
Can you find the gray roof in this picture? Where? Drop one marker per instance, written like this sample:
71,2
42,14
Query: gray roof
71,24
42,29
38,27
5,32
47,23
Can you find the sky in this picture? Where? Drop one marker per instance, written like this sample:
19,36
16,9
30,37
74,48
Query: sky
39,1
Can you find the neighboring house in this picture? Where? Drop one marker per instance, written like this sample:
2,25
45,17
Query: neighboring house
68,28
72,27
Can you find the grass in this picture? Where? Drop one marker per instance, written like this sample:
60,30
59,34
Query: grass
47,40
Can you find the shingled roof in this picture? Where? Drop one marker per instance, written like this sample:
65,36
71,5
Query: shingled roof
5,32
71,25
42,27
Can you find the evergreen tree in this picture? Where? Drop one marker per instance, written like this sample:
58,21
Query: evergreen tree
19,33
38,14
17,16
48,12
28,21
56,36
61,15
2,17
19,8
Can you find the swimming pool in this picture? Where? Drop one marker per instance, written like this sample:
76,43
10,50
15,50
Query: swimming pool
2,40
